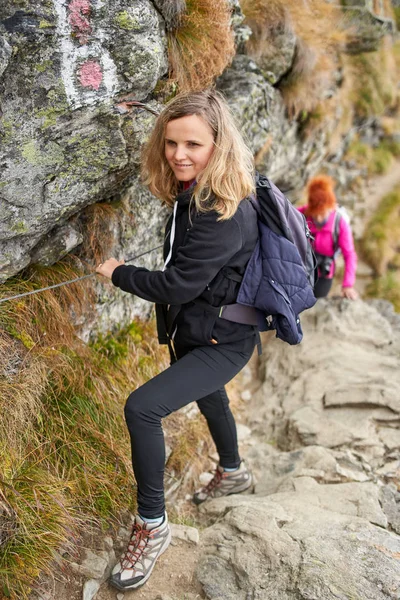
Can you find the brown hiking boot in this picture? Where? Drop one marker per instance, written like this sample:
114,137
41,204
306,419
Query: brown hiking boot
225,483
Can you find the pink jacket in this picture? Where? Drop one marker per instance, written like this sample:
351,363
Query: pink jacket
323,244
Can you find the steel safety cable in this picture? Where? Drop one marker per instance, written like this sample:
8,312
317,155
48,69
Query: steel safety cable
62,283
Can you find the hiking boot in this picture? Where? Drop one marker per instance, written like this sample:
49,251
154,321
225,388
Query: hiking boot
147,542
225,483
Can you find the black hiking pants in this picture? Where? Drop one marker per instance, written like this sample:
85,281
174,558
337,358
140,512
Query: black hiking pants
322,287
198,375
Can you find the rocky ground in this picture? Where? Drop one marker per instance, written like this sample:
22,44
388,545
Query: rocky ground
324,521
323,440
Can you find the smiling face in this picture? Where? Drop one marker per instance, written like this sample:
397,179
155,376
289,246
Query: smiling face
189,144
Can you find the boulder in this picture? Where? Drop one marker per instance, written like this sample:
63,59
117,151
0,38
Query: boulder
366,27
63,145
290,545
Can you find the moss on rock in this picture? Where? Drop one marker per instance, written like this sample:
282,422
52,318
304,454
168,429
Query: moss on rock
126,21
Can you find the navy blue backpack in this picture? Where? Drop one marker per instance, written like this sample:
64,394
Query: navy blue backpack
279,278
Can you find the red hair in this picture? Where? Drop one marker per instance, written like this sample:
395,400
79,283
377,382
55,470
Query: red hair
321,196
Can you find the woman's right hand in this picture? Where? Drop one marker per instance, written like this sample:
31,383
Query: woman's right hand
107,268
349,293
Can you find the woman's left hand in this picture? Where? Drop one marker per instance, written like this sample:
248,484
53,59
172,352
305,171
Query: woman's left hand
107,268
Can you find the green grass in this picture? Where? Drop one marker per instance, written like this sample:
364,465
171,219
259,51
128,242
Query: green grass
378,160
396,10
386,287
391,145
64,447
380,242
381,161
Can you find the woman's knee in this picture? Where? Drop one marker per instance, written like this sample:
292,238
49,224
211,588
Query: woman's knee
135,408
140,408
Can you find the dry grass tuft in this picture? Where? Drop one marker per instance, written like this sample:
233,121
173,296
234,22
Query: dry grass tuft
99,221
183,446
64,448
367,88
308,81
22,383
384,8
263,22
317,26
203,44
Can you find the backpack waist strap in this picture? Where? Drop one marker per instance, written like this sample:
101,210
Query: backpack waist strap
239,313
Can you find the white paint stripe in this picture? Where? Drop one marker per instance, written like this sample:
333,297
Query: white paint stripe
71,54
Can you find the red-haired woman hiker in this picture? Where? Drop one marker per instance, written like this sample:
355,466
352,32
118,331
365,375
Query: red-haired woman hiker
320,212
197,163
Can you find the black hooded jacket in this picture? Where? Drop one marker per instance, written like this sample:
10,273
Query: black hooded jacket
204,251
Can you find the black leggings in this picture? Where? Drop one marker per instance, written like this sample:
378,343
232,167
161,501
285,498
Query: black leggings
322,287
199,375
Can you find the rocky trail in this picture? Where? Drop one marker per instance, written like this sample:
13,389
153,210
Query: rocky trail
323,440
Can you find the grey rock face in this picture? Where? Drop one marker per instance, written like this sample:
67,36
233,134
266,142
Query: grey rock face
287,546
280,151
322,406
90,589
280,57
59,243
93,565
278,46
62,144
251,98
171,11
138,226
242,31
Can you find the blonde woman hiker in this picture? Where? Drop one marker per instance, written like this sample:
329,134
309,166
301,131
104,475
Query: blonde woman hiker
197,163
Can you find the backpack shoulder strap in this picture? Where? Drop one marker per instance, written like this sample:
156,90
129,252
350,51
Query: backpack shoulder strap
335,232
273,209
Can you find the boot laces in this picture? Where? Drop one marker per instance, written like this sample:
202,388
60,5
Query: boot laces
135,547
214,481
